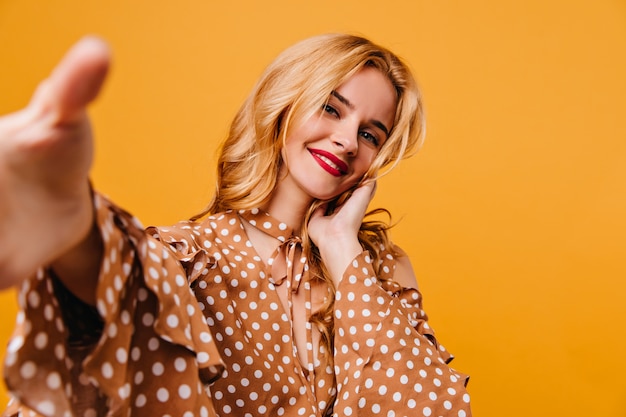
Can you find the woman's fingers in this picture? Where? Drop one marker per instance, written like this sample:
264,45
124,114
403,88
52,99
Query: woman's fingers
336,234
362,196
346,220
354,209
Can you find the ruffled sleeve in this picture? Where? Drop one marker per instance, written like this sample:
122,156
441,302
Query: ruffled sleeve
154,354
386,356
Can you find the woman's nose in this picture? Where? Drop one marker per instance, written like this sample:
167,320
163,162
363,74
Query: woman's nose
346,139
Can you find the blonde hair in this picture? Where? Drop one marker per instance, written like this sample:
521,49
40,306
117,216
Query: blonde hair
293,88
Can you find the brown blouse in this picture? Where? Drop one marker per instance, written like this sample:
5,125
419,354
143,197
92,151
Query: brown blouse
189,322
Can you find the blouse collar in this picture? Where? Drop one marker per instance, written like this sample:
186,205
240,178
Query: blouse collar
267,224
288,263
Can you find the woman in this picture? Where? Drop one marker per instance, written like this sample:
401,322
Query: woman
278,299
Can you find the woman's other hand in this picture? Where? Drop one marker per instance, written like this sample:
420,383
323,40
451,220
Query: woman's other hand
45,157
336,234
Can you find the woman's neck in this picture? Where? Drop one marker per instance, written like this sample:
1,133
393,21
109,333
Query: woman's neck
289,205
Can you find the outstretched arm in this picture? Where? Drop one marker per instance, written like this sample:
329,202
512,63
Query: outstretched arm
46,211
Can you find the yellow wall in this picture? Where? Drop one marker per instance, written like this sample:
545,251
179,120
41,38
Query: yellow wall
514,213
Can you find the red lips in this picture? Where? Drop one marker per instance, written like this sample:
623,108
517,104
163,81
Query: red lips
329,162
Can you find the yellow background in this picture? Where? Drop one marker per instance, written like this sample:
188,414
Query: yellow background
514,213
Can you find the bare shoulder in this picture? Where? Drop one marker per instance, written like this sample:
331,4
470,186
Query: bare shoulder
404,274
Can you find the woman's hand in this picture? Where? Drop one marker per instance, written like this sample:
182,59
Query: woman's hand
336,235
45,156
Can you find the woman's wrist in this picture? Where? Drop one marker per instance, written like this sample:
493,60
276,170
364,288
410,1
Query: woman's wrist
337,255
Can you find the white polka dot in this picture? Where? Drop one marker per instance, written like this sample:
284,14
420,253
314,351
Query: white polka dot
41,340
59,351
124,391
203,357
28,370
153,344
118,283
10,360
191,310
138,378
107,370
47,407
158,369
140,401
53,381
135,354
125,317
172,321
184,391
34,299
142,294
163,395
154,274
110,295
147,319
112,330
180,364
16,343
48,312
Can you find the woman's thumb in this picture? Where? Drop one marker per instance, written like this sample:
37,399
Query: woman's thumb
75,81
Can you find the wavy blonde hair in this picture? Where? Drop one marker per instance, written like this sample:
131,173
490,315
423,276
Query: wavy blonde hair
293,88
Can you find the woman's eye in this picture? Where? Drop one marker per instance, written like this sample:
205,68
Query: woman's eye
369,137
330,110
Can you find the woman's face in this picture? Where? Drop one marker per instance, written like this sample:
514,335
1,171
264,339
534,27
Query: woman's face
330,152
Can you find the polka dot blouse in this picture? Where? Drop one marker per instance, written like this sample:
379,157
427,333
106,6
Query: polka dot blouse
189,322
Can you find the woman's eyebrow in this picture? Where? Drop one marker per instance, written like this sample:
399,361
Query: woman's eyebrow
345,101
381,126
342,99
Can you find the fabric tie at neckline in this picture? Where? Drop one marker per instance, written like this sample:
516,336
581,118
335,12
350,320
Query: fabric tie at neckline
286,259
287,264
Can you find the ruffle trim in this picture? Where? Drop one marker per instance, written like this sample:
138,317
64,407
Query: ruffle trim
142,289
382,335
408,302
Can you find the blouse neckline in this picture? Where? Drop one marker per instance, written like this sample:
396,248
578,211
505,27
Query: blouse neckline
264,222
